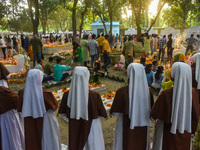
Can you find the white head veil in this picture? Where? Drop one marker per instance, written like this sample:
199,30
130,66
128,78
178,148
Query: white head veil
196,59
33,104
79,93
139,96
182,98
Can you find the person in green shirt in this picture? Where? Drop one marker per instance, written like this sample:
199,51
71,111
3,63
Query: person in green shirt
58,69
77,54
48,68
85,51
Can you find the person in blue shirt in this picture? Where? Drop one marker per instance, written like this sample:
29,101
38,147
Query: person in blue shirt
149,74
58,69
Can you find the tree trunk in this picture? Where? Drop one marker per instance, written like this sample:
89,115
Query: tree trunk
139,30
35,20
104,25
111,23
74,19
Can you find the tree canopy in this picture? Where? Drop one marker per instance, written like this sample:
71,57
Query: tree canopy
76,15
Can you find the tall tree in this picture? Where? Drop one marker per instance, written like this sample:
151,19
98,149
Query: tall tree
113,7
74,19
176,16
34,14
139,6
100,10
86,4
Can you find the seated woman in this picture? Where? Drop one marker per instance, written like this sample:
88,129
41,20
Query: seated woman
58,69
149,74
158,78
39,67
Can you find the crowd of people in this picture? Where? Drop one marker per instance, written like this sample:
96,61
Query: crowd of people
27,119
176,110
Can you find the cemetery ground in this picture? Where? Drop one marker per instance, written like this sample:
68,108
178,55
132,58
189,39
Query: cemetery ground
108,125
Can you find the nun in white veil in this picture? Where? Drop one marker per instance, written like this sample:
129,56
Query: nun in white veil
175,110
33,108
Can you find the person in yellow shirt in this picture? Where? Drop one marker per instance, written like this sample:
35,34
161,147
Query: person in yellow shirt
101,39
98,39
106,53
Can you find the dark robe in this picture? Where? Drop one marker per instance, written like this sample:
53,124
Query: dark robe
194,82
34,127
135,139
79,129
162,111
8,100
3,72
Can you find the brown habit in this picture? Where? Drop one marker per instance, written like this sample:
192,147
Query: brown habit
34,127
8,100
162,111
135,139
79,129
3,72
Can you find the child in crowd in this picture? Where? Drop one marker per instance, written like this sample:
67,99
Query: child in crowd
158,78
149,74
155,65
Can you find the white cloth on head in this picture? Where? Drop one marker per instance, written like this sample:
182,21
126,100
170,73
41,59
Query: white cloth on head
12,131
51,133
139,96
196,59
79,94
33,103
182,98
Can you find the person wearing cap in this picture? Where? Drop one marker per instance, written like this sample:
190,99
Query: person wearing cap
83,108
132,109
37,107
176,111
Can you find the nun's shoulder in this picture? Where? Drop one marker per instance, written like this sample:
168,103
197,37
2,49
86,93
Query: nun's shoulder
123,89
93,93
167,91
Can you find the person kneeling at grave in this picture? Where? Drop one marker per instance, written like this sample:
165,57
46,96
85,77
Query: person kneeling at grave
58,69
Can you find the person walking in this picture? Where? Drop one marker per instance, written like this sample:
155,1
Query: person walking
106,53
36,47
93,49
169,48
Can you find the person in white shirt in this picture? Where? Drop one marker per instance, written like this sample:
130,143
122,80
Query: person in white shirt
3,46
